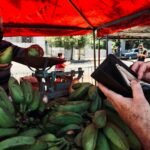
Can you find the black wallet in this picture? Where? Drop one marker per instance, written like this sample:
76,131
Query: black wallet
116,75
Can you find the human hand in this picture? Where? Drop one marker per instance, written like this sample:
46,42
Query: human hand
35,50
134,111
142,69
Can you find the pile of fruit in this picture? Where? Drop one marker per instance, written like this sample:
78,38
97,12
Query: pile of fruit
82,121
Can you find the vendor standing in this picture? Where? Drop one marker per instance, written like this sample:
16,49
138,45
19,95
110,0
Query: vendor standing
8,52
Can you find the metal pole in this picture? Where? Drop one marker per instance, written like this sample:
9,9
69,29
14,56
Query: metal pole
99,52
94,49
94,52
106,46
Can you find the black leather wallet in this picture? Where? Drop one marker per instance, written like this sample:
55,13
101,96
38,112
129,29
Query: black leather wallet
110,74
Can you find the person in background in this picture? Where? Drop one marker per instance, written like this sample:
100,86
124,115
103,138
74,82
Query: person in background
134,111
60,67
142,53
8,52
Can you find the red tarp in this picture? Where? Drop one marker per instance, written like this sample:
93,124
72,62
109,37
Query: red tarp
141,21
59,17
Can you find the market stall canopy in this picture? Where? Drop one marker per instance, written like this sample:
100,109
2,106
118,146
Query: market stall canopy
132,33
136,25
64,17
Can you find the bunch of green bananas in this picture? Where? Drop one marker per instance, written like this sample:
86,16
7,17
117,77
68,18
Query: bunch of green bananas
24,96
82,121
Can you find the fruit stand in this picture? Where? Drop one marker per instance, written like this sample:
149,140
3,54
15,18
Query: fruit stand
83,119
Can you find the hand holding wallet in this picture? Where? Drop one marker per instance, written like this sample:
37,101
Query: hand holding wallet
116,75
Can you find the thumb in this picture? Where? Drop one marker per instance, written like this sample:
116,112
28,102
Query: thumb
137,90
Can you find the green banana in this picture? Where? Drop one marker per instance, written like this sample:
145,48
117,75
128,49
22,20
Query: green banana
48,138
33,132
80,92
102,142
95,104
52,128
92,92
42,106
6,119
38,145
134,142
5,132
113,147
27,91
5,101
54,148
100,118
16,141
73,106
72,127
35,102
116,136
15,91
89,137
78,139
6,55
65,118
77,85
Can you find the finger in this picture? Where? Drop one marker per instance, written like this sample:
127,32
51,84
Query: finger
115,98
142,70
137,90
136,66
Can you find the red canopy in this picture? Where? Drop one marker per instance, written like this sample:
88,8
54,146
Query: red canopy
64,17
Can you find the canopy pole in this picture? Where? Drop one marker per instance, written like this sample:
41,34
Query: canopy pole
94,49
107,46
99,53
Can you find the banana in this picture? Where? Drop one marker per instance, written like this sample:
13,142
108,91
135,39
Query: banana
33,132
42,106
51,128
89,137
100,118
35,102
5,132
16,141
70,127
113,147
65,118
80,92
96,100
6,55
6,119
102,142
15,91
37,145
48,138
132,138
27,91
95,104
77,85
78,139
5,101
73,106
116,136
54,148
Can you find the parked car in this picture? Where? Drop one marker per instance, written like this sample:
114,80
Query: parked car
132,54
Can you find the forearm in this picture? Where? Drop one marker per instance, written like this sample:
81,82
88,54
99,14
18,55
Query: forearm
140,124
